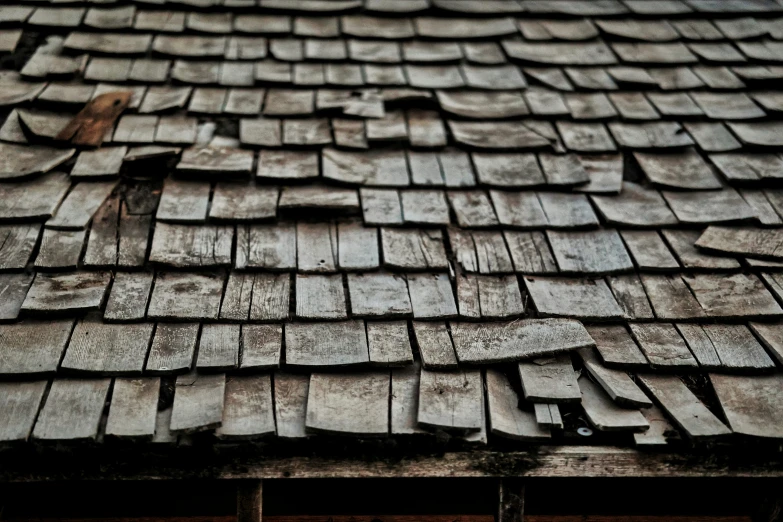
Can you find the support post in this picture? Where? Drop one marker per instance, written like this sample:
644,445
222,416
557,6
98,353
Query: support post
250,501
511,505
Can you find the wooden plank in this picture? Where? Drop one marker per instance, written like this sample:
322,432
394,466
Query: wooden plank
185,296
728,346
682,243
102,245
670,298
248,409
183,201
260,132
435,346
134,408
271,297
683,407
134,238
317,201
237,297
550,380
425,207
381,207
472,209
506,419
496,342
108,349
13,290
605,415
389,344
378,295
579,298
590,252
630,295
60,249
243,202
172,348
771,336
489,297
349,403
635,207
413,249
262,346
663,345
376,168
191,245
80,204
617,347
491,253
34,199
20,161
751,404
291,391
716,206
564,210
129,296
73,410
320,297
431,296
733,296
616,383
76,291
104,162
19,404
316,247
405,400
218,347
326,344
548,416
660,429
754,242
272,247
451,401
649,251
198,402
357,246
32,347
530,252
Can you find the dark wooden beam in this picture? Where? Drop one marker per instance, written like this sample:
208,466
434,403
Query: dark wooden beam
511,502
250,497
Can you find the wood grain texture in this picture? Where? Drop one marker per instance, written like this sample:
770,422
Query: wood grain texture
320,297
291,391
248,411
19,404
435,346
606,415
349,403
76,291
616,383
506,419
172,349
218,347
72,410
108,349
33,347
134,408
129,296
451,401
262,346
326,344
198,402
550,380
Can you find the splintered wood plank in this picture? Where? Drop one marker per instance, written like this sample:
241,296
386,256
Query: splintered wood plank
60,249
378,295
108,349
495,342
172,348
198,402
670,298
191,245
33,347
19,404
683,407
550,380
349,403
489,297
271,296
413,249
80,204
104,162
129,296
649,251
388,343
218,347
378,168
316,247
435,346
582,298
134,238
663,345
431,296
134,408
186,296
425,207
729,346
405,400
548,416
102,245
183,201
733,296
37,198
272,247
617,347
262,346
660,429
248,409
604,414
73,410
357,247
243,202
13,290
590,252
451,401
630,295
237,296
320,297
291,391
76,291
752,405
616,383
506,419
530,252
753,242
326,344
771,336
491,253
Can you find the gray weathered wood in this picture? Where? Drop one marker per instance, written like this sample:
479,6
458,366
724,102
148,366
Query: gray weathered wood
191,245
218,347
550,380
378,294
691,171
684,408
13,290
495,342
451,401
616,383
198,402
129,296
326,344
405,400
771,336
108,349
435,346
271,296
431,296
682,243
728,346
243,202
670,298
134,408
506,419
80,204
635,207
291,391
185,296
617,347
606,415
320,297
349,403
712,207
663,345
590,252
388,343
649,251
19,404
733,296
262,345
287,164
33,347
754,242
60,249
530,252
381,207
104,162
489,297
183,201
272,247
34,199
134,238
172,348
316,247
548,416
357,247
76,291
248,411
102,246
580,298
660,429
751,404
73,410
413,249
